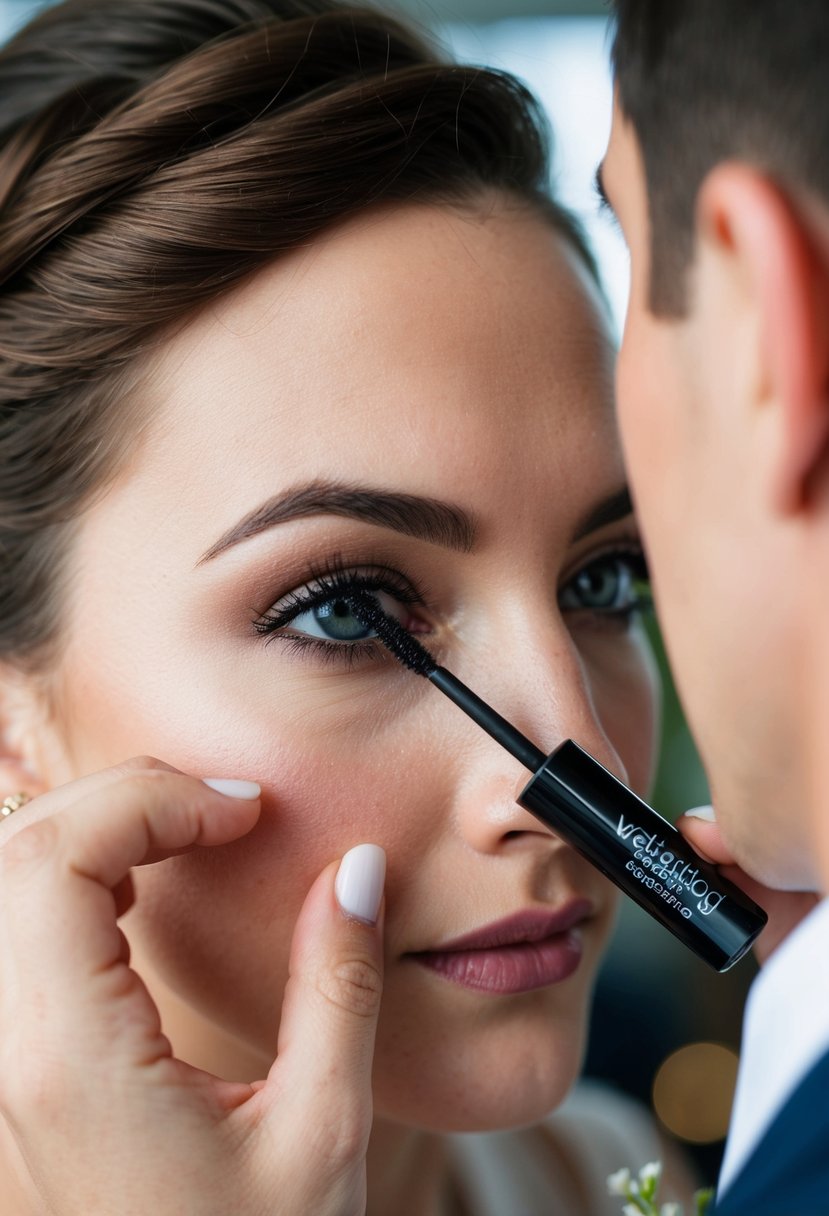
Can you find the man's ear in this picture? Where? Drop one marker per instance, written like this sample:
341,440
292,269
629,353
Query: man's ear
742,215
21,719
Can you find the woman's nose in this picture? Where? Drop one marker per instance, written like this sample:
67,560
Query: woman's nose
547,710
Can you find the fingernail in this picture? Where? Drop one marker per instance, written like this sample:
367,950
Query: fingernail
233,789
359,882
705,813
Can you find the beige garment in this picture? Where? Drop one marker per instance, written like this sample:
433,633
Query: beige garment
560,1168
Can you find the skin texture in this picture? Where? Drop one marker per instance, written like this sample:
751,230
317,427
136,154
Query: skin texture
724,421
460,354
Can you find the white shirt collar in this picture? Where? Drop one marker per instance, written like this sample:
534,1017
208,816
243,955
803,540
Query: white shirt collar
785,1032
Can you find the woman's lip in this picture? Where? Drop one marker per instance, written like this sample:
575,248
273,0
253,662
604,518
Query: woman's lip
508,970
528,925
528,950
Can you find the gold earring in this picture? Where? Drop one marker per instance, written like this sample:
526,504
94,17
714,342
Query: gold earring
13,803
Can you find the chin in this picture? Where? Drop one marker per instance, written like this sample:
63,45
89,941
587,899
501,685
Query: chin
763,848
513,1081
775,868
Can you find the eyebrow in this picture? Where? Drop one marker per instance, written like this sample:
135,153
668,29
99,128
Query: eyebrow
608,511
599,187
429,519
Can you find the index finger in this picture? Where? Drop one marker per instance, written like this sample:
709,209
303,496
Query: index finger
57,878
59,798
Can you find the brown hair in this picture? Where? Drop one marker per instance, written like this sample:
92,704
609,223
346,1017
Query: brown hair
155,152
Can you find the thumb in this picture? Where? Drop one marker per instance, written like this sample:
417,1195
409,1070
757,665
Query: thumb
785,909
699,827
329,1015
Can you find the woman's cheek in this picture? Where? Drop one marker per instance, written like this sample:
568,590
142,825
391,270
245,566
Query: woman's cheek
215,925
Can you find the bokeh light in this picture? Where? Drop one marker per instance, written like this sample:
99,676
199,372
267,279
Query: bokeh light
693,1091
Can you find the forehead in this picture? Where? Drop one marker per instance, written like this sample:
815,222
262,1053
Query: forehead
415,348
622,175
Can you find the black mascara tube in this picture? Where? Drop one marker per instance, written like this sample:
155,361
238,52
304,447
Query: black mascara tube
643,854
577,798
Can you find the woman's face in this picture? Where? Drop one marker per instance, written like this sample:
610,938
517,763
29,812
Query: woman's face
421,355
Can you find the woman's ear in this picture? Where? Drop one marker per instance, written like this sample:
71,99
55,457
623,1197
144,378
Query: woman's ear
783,269
22,718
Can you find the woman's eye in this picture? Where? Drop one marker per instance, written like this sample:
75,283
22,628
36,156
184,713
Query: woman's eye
610,585
332,620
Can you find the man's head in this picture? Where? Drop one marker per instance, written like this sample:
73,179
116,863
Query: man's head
717,169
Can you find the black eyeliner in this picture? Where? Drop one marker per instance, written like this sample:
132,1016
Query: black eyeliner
336,582
582,802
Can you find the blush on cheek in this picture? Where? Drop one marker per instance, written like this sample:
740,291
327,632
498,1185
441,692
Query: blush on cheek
215,925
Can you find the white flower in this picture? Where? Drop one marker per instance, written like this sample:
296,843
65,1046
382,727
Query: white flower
618,1183
670,1209
652,1170
630,1209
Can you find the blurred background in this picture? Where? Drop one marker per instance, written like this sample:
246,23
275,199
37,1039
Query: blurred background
666,1028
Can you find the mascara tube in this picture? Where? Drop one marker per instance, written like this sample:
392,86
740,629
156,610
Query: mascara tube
577,798
643,854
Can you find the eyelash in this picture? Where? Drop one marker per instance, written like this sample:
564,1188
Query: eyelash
338,581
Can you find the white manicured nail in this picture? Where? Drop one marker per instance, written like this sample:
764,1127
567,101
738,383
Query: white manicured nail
359,883
233,789
705,813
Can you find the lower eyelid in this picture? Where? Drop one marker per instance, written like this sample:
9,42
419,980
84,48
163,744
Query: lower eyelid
347,654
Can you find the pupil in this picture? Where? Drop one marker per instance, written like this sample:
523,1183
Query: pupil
600,586
337,620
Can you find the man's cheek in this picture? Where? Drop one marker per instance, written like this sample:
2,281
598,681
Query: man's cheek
634,405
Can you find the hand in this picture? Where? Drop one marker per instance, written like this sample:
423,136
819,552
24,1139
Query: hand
106,1119
786,909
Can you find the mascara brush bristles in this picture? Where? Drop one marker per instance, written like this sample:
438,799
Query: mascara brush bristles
412,655
392,634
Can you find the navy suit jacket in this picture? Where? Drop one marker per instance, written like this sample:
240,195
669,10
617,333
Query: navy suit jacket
788,1172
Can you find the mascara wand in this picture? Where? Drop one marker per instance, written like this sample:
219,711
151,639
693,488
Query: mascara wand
414,656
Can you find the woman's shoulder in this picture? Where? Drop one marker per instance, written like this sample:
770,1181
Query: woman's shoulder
562,1164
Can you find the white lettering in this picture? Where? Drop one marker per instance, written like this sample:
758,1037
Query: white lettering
707,905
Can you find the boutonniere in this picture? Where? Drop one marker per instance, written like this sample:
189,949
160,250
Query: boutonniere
641,1193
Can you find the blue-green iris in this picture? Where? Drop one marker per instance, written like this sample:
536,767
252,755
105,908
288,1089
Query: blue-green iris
339,623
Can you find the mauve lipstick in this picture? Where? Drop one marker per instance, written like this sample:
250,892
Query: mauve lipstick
531,949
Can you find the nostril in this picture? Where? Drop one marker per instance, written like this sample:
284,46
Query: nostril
537,829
